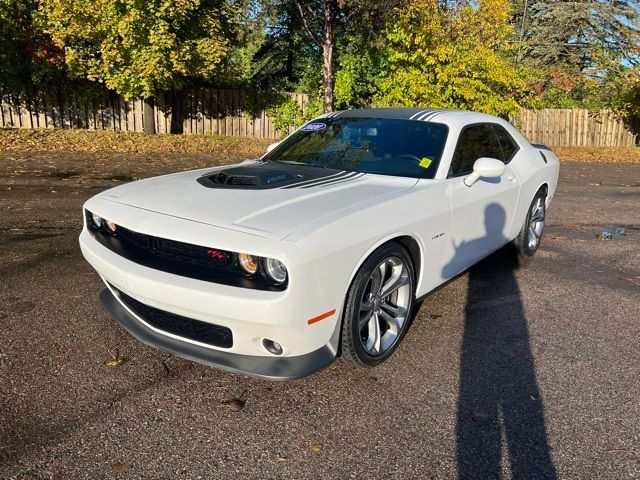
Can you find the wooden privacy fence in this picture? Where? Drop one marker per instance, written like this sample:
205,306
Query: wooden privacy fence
197,110
575,128
223,112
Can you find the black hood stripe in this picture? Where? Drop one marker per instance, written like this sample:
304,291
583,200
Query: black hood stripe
331,184
317,180
348,175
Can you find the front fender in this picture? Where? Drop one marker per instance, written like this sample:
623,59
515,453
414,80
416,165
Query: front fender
337,248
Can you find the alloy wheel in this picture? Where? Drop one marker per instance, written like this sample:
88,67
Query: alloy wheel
384,307
536,223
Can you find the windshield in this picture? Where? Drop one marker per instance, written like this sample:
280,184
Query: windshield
405,148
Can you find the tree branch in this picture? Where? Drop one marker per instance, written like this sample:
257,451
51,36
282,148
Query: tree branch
315,38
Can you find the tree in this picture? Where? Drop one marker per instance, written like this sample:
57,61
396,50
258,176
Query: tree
142,48
319,18
28,57
580,35
456,55
284,53
325,20
583,50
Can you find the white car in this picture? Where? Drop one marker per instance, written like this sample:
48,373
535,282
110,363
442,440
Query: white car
324,246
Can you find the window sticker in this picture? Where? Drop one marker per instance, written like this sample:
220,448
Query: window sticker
425,162
313,127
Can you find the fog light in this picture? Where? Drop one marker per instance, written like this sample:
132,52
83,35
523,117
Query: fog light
272,347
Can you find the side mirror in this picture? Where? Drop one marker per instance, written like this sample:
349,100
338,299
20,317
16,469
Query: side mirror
485,168
272,146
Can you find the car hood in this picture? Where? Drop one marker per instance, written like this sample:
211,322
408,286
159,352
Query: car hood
262,198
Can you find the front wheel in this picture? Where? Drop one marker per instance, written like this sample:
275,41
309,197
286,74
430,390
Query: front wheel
378,307
528,240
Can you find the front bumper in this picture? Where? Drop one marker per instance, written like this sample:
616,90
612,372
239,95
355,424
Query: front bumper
252,315
272,368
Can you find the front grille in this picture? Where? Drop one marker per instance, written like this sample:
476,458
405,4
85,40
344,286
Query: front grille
184,327
179,258
135,238
186,252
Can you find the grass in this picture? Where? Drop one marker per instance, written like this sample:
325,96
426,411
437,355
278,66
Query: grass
25,140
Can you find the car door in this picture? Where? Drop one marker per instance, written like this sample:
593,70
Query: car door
481,215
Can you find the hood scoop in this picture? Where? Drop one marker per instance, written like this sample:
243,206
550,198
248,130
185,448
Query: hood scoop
224,179
263,175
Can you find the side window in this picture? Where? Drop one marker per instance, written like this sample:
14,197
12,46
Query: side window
475,141
508,144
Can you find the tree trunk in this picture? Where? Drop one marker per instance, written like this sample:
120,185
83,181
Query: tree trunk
149,121
327,56
291,14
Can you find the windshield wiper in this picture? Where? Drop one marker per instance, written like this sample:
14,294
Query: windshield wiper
293,162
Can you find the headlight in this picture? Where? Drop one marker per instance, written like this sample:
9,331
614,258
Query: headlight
97,220
249,263
275,270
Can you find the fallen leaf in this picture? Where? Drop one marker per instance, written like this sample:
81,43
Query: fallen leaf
119,468
116,360
316,448
235,404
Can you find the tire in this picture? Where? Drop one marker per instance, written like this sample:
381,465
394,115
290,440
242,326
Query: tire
363,343
528,240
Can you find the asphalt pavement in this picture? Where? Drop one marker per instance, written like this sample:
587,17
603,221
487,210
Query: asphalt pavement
508,371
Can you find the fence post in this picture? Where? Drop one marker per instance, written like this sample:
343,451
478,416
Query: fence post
148,117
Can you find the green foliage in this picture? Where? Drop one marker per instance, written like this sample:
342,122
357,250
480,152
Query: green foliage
580,36
582,50
487,55
287,112
458,58
356,74
284,53
142,48
28,59
560,90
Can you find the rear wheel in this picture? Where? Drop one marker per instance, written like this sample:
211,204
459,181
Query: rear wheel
378,307
528,240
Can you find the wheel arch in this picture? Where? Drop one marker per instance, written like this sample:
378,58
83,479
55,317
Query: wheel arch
408,241
521,215
544,187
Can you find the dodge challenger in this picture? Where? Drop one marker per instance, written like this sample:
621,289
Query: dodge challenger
322,248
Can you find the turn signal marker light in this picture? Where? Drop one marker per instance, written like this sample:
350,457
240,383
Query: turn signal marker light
313,320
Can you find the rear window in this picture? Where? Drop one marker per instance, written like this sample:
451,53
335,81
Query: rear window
508,144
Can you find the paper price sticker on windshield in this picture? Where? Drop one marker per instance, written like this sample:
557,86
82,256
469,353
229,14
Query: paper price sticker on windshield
313,127
425,162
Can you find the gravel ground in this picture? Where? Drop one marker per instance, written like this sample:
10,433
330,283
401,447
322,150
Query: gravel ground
526,372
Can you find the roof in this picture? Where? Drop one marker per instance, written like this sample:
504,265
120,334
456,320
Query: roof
418,113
